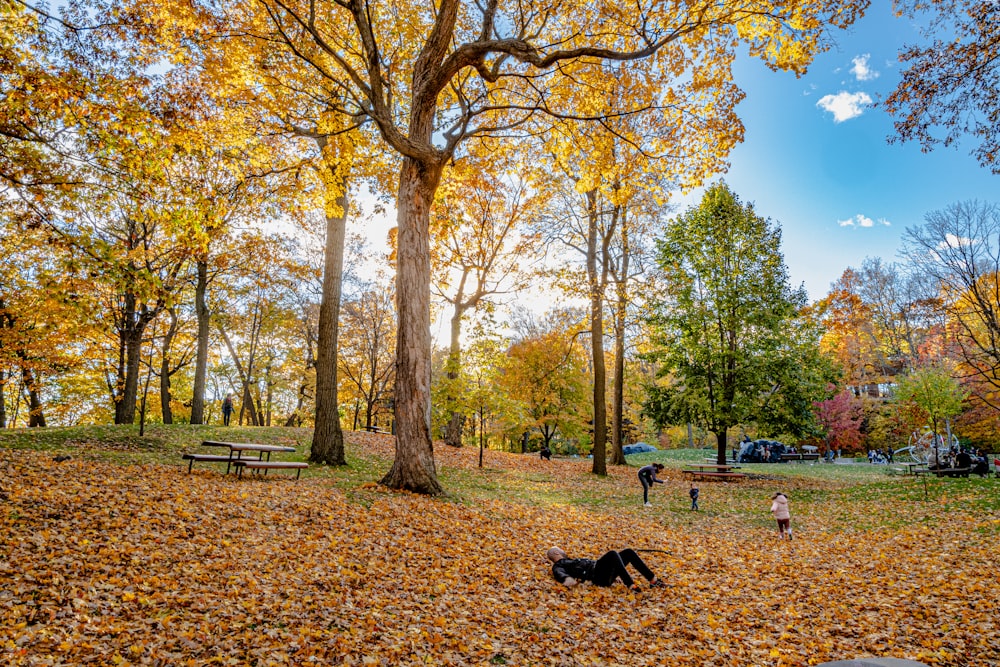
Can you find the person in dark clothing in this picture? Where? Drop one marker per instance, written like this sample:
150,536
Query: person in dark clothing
545,453
647,475
227,409
694,497
604,571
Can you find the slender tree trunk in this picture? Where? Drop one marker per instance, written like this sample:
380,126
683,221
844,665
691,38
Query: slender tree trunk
201,358
618,393
3,400
413,467
453,431
247,401
36,416
328,437
621,312
168,339
599,450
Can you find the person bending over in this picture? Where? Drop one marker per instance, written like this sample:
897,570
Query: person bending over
602,572
647,475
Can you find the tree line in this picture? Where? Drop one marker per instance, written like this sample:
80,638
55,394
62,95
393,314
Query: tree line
179,181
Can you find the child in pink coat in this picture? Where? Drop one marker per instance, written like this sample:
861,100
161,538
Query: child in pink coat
779,508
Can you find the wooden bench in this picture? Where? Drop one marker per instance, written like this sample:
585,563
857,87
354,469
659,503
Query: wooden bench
236,450
215,458
269,465
376,429
715,474
950,472
800,457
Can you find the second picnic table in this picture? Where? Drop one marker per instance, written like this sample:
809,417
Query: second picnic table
713,470
235,457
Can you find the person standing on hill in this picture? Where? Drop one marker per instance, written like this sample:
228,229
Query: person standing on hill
227,409
647,475
694,497
779,508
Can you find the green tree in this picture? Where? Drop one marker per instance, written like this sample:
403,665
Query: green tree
935,393
727,330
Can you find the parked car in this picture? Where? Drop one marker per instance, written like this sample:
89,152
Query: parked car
638,448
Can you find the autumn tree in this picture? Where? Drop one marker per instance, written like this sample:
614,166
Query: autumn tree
367,359
546,374
935,393
726,330
478,246
465,69
840,417
949,86
958,248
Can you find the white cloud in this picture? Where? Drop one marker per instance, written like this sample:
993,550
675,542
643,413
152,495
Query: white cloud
861,220
844,105
953,241
861,70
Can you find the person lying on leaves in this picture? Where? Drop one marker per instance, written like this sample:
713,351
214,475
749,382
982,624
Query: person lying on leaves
602,572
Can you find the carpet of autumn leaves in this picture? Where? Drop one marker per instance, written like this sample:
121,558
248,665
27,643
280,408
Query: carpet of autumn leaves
103,563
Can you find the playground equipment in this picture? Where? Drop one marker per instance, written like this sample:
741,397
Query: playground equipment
928,448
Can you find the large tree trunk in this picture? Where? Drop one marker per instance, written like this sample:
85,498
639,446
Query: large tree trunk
720,440
201,359
36,416
597,341
125,407
413,467
328,437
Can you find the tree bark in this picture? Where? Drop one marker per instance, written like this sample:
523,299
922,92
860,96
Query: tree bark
328,437
36,416
125,408
599,450
165,372
453,432
201,359
3,399
720,440
621,310
413,468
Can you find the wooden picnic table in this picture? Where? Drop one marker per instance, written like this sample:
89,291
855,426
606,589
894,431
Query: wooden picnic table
713,471
800,457
238,448
717,466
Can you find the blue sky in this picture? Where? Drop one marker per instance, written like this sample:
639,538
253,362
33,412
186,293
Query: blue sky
816,160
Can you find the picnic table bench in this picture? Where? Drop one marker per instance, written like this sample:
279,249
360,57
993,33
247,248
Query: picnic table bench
713,471
376,429
950,472
800,457
237,449
715,474
253,464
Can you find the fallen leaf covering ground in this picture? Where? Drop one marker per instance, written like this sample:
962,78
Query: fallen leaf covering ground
104,563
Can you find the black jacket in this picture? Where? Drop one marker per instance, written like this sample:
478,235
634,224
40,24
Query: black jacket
581,569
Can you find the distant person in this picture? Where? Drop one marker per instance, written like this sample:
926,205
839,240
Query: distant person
227,409
779,508
694,498
545,453
647,475
604,571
